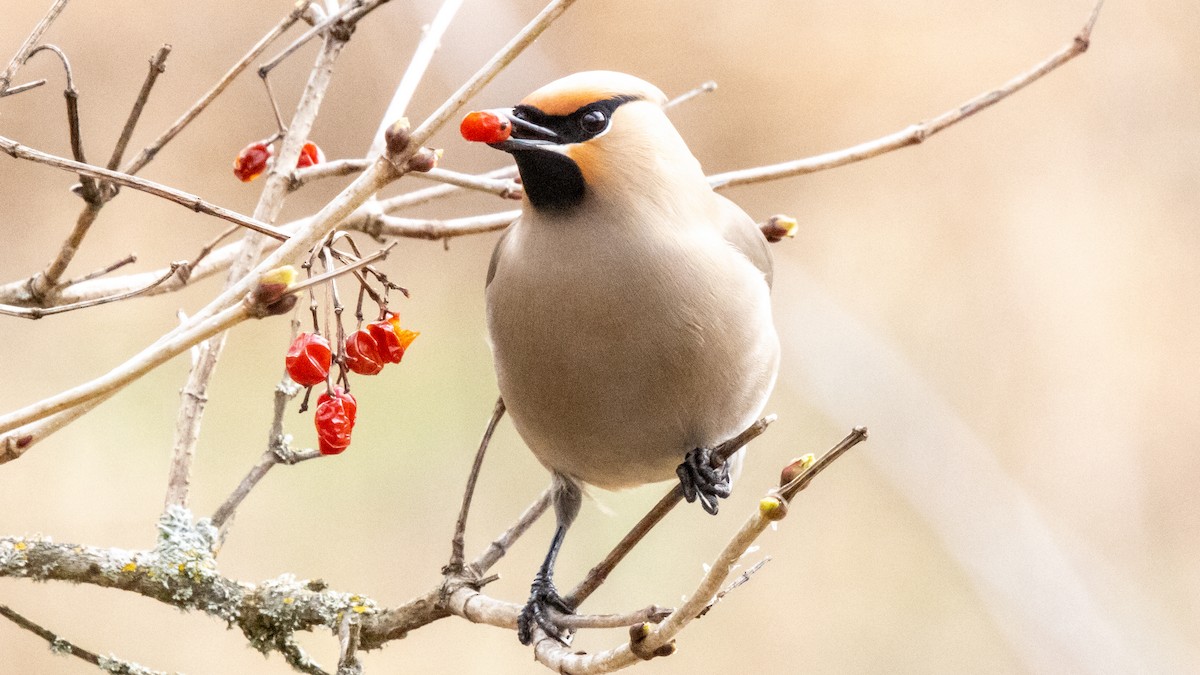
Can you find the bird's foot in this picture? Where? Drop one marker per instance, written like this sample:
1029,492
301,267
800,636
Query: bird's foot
700,481
542,597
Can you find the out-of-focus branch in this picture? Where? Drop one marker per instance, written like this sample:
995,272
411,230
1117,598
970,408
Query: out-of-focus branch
915,133
431,41
484,75
58,645
27,46
37,312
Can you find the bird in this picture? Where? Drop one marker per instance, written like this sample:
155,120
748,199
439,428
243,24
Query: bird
628,307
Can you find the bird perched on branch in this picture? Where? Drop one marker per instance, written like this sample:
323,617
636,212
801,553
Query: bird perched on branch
628,307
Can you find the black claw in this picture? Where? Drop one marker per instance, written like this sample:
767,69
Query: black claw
700,481
542,597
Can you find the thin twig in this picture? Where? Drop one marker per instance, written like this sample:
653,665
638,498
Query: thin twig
705,88
391,226
34,84
38,312
484,75
88,190
191,201
496,550
457,542
431,40
148,153
157,67
503,187
330,169
270,64
43,284
742,579
915,133
156,354
103,271
596,576
60,646
27,46
648,640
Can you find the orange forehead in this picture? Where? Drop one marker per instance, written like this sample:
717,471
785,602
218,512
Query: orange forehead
554,102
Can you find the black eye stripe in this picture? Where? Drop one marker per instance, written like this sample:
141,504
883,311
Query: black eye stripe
581,124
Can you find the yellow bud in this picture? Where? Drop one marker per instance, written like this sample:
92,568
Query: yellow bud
772,508
129,567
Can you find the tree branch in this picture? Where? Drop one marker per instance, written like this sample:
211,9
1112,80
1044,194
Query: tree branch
915,133
27,46
60,646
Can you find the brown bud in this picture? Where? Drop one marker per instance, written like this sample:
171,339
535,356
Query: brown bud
796,467
778,227
397,136
424,160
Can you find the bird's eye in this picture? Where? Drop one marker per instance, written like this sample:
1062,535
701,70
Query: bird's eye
593,121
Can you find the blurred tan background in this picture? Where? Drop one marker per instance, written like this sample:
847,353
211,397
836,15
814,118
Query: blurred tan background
1012,308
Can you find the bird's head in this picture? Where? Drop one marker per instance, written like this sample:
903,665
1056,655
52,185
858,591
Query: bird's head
592,134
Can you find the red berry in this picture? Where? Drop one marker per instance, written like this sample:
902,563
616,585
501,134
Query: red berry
308,359
362,353
334,420
390,339
310,154
485,127
252,161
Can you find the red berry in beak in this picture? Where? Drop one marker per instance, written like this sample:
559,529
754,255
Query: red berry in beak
485,127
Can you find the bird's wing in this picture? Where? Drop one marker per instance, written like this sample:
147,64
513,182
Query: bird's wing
496,253
743,234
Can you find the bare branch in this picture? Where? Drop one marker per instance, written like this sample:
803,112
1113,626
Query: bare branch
169,346
330,169
648,641
18,151
505,56
496,550
103,271
915,133
390,226
705,88
148,153
431,40
157,67
60,646
37,312
27,46
596,576
457,542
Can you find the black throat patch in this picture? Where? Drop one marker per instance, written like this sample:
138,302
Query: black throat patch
551,180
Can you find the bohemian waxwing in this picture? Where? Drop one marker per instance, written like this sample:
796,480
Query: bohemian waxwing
628,307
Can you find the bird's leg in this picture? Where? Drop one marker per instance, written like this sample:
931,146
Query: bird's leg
700,481
542,594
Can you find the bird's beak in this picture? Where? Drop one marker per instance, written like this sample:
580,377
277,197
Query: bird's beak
503,130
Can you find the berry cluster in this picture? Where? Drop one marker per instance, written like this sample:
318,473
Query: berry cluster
256,158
